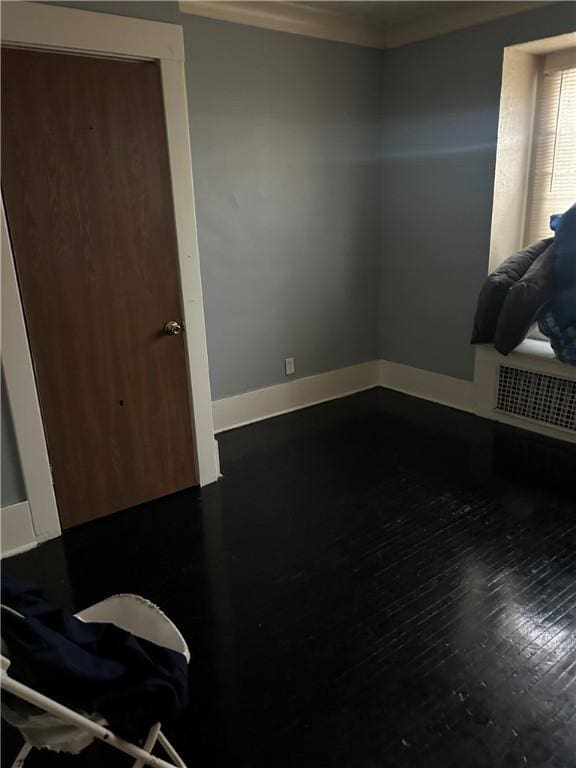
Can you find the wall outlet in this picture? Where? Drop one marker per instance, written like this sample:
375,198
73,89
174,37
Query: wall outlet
289,365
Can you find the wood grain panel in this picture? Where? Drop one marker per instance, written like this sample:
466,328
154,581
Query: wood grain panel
89,204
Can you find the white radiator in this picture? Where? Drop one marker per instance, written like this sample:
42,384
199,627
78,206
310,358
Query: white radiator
529,388
537,397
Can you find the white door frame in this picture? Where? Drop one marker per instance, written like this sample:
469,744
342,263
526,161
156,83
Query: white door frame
31,25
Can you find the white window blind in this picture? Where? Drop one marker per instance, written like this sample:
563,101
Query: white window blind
552,187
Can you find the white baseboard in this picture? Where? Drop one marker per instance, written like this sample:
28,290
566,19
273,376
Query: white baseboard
260,404
17,529
445,390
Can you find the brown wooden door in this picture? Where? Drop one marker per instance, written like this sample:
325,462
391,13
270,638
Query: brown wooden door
86,184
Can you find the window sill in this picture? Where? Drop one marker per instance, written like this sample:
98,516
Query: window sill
537,348
533,354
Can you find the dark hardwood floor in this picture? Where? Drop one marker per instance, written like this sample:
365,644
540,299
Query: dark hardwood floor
376,582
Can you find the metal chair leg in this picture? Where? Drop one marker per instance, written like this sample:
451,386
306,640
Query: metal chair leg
149,743
170,751
22,755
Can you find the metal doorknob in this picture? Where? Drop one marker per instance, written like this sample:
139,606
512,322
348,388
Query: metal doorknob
172,328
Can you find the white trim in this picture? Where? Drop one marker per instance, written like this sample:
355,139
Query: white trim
548,44
532,355
427,385
485,380
66,29
292,18
17,531
564,59
176,109
24,402
44,26
520,72
260,404
301,19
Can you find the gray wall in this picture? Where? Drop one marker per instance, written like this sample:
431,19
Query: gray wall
12,489
439,128
285,146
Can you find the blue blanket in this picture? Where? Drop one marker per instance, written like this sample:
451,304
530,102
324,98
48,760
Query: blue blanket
563,305
90,667
558,319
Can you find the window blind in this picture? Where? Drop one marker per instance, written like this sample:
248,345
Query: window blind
552,186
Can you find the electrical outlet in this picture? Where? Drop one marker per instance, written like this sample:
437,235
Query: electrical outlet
289,365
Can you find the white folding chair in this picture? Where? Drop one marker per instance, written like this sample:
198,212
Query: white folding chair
142,619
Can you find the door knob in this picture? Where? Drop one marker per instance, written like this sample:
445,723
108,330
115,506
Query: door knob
172,328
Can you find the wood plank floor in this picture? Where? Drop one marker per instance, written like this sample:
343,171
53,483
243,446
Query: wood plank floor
376,582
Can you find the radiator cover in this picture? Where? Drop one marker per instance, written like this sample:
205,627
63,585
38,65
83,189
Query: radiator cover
538,397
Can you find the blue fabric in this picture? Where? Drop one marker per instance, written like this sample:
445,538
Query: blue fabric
554,221
563,305
90,667
562,340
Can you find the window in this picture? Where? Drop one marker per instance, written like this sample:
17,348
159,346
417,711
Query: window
552,183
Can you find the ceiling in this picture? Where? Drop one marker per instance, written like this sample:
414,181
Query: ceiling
375,24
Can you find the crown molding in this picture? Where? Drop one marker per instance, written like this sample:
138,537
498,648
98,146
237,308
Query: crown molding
289,17
304,20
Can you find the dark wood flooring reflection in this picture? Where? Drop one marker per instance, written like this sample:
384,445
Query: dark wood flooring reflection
376,582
